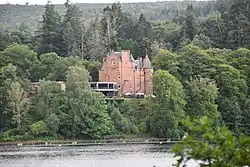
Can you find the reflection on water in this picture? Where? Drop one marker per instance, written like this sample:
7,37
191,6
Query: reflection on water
87,156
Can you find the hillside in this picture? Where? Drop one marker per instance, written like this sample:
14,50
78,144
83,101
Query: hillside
14,15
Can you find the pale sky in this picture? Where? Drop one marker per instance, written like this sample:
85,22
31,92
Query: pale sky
73,1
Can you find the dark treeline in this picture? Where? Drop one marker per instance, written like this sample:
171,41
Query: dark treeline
201,63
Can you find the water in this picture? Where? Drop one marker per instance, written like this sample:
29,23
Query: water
88,156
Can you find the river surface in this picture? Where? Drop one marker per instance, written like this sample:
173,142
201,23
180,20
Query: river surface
87,156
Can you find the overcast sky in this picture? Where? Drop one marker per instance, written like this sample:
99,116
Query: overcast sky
73,1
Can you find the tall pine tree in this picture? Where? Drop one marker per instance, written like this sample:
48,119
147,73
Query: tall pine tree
189,28
73,31
96,50
143,36
48,36
238,22
110,24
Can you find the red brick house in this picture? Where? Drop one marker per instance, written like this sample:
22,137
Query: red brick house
133,76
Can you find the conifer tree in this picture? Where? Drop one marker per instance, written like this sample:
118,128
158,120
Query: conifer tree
96,50
48,37
238,22
190,23
73,31
110,24
144,34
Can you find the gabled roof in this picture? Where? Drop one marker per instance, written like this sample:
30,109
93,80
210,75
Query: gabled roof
139,63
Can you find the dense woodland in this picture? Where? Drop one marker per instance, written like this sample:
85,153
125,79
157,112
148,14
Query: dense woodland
201,59
14,15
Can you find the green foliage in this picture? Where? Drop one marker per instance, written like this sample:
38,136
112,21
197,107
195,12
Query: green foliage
201,95
49,37
195,62
89,109
158,11
240,60
211,146
168,107
214,27
233,90
189,25
131,45
122,123
169,33
90,117
18,104
77,77
237,22
22,57
38,128
167,60
202,41
73,31
52,121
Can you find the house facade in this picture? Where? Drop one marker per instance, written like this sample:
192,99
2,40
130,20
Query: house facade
133,76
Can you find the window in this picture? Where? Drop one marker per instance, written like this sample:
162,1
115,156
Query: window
113,61
111,86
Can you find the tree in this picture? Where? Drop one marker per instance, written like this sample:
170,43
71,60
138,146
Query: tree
96,50
23,58
47,63
8,75
143,36
77,76
168,108
201,95
110,25
88,109
202,41
131,45
122,123
189,30
195,62
73,31
49,37
211,146
232,94
4,37
240,59
18,104
137,112
48,106
39,129
54,68
168,33
238,22
246,118
215,28
166,60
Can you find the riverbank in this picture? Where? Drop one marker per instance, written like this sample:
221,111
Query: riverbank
88,142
